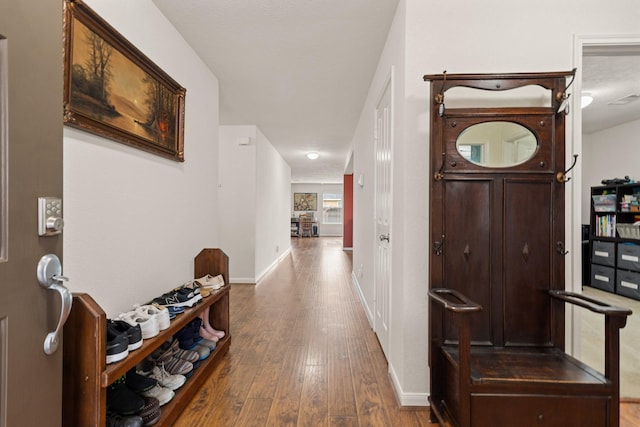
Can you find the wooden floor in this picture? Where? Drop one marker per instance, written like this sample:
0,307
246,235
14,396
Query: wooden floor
303,354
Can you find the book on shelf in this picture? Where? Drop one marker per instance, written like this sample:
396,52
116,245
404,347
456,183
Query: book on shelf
605,226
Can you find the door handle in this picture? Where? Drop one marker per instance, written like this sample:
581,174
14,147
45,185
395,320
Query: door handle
50,277
384,237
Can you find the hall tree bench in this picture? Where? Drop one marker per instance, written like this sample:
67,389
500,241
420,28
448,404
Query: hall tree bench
86,374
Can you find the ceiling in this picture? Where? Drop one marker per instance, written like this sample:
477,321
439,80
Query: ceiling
610,74
299,70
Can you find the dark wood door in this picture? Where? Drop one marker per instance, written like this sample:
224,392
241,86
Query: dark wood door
31,166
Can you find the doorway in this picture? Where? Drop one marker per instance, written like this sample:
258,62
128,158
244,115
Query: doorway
606,65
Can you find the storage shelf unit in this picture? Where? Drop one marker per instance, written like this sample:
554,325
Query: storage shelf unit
614,240
86,374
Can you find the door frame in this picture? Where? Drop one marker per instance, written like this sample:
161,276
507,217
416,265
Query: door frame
573,195
388,83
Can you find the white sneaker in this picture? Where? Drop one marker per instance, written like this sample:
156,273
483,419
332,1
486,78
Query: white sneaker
161,314
163,394
211,282
165,379
148,324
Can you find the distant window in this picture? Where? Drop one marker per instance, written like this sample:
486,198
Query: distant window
332,208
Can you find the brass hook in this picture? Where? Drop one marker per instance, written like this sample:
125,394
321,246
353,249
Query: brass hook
562,177
440,96
563,97
440,174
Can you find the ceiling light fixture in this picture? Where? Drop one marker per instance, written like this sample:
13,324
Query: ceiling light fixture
586,99
313,155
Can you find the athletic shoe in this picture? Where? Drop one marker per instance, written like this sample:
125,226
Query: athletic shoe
115,420
117,344
139,383
176,299
161,315
151,413
121,400
165,379
134,333
211,282
148,324
208,343
177,366
163,394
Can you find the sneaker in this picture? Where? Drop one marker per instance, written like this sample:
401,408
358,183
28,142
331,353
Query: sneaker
161,314
202,351
177,366
165,379
139,383
151,413
163,394
134,333
188,355
148,324
211,282
176,299
115,420
122,400
208,343
117,344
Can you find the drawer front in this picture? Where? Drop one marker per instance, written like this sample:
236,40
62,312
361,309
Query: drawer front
603,253
603,277
533,410
629,256
628,284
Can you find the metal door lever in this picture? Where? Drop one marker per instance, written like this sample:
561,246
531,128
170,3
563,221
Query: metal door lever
50,277
384,237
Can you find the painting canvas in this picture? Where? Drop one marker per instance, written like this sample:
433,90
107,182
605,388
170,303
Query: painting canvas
113,90
305,201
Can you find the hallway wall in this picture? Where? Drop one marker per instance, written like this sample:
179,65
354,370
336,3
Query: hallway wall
134,221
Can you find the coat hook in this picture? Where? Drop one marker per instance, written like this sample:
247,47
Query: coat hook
562,177
560,248
440,174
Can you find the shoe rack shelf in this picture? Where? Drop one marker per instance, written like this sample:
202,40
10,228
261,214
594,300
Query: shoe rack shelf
86,373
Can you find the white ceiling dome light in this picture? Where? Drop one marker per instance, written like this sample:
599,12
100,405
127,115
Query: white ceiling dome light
313,155
585,99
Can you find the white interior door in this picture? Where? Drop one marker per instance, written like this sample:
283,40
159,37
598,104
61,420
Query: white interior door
382,277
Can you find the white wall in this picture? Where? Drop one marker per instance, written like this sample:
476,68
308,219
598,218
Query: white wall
254,202
237,195
610,153
427,38
323,229
135,221
273,184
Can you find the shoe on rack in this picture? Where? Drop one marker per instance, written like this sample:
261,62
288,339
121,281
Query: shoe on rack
208,343
195,285
163,394
202,351
148,323
173,311
165,379
211,282
176,299
122,400
138,383
177,366
151,413
134,333
161,314
116,420
117,344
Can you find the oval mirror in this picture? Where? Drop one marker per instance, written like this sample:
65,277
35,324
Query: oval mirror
497,144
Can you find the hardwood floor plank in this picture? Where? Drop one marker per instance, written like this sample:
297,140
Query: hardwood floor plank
254,413
314,405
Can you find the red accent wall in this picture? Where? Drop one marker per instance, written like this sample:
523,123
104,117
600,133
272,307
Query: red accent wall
347,235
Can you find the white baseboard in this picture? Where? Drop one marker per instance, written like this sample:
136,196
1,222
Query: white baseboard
254,280
407,399
367,311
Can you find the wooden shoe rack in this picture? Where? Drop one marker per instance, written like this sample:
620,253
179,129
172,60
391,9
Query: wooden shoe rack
86,374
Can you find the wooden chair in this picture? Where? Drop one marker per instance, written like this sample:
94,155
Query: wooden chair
497,291
306,226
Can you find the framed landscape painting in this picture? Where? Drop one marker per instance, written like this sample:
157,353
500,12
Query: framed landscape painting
113,90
